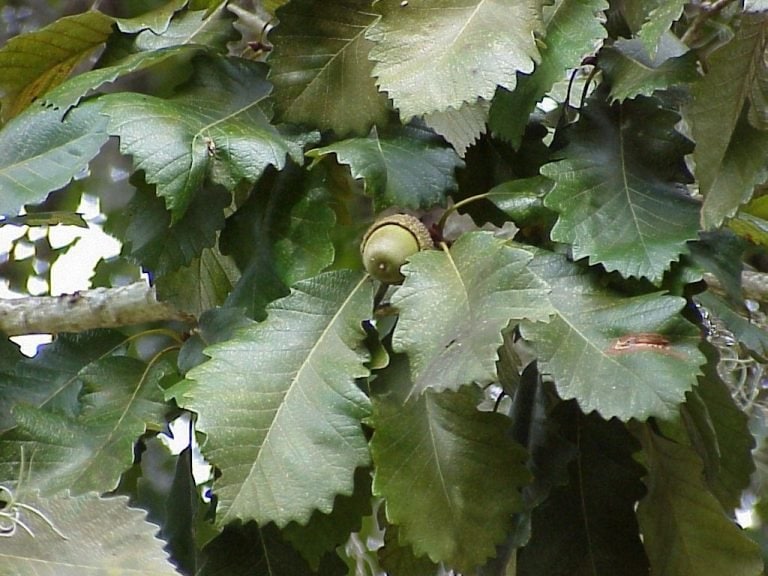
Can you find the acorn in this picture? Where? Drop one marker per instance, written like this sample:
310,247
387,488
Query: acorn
389,242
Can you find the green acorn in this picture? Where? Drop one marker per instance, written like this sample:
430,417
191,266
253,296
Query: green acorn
389,242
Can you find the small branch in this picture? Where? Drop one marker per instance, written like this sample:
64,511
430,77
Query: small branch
86,310
754,285
707,12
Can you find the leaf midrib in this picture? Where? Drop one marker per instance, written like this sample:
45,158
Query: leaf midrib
294,385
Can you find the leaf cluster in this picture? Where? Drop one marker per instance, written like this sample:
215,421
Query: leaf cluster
546,393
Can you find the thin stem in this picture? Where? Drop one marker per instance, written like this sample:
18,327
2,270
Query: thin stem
456,206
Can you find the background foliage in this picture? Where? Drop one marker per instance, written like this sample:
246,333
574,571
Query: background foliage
569,384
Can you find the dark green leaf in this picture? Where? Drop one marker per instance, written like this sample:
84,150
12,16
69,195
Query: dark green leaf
632,72
742,168
430,57
320,66
325,532
595,351
161,247
249,550
70,92
716,105
721,254
401,171
719,429
285,431
450,475
454,305
535,428
588,527
573,29
685,529
618,189
523,200
280,235
399,559
40,152
215,325
204,284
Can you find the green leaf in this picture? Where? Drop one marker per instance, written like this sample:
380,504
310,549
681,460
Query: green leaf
285,432
103,536
572,30
320,66
33,63
156,21
534,410
280,235
325,532
248,550
203,27
70,93
50,380
450,475
214,130
618,189
685,530
658,22
161,247
454,305
300,229
462,127
758,97
400,560
742,168
588,526
717,100
633,72
582,347
523,200
719,430
721,253
121,398
204,284
40,152
407,171
434,55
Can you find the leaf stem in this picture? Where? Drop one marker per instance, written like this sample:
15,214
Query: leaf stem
456,206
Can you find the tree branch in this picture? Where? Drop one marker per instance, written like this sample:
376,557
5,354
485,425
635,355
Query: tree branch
137,304
86,310
754,285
